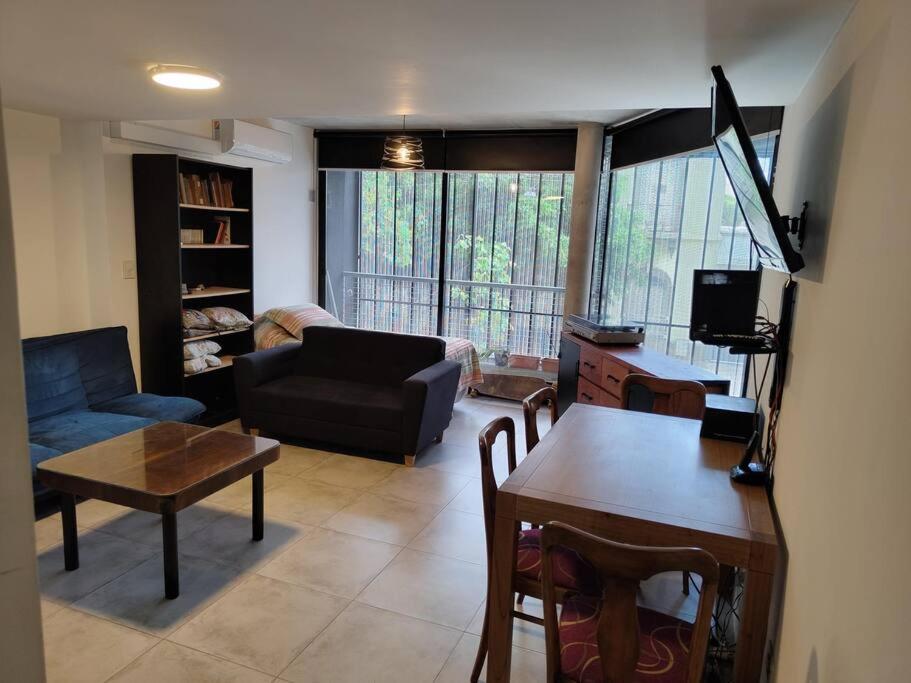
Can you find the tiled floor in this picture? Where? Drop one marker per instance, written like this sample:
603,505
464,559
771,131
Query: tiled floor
369,571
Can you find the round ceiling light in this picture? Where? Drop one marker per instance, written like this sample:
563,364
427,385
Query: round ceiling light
185,77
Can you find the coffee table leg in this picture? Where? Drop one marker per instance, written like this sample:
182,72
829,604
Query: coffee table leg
70,540
171,572
258,505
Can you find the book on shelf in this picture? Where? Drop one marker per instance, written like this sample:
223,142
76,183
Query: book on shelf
223,236
211,191
191,236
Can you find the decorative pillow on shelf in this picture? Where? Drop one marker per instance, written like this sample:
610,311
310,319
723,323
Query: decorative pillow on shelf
195,320
194,365
227,318
199,348
296,318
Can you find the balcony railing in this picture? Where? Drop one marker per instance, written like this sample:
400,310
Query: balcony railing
520,319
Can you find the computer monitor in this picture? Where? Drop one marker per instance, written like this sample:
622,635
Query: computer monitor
724,303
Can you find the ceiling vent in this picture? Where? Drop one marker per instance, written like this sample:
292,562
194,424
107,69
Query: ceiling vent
257,142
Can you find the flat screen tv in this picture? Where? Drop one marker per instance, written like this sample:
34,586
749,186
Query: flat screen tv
738,156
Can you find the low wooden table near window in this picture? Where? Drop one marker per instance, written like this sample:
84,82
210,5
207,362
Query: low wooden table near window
163,469
642,479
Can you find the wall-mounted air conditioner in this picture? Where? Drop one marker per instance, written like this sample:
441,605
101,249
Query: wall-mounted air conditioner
249,140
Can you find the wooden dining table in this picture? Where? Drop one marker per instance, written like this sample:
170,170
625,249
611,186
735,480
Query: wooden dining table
642,479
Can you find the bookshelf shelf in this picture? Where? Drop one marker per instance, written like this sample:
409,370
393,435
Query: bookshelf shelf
215,291
205,207
213,335
214,246
172,198
226,362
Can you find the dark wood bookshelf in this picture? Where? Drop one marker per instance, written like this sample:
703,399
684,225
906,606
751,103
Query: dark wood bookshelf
163,263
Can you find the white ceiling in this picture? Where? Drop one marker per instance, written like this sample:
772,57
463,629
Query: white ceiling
453,63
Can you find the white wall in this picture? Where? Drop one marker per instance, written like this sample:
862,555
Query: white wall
21,652
72,205
844,456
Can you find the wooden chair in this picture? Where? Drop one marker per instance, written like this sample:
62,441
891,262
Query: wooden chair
530,407
607,637
675,397
575,574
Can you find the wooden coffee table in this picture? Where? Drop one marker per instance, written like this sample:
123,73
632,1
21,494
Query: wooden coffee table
163,469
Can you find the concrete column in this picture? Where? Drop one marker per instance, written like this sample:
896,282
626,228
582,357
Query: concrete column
589,146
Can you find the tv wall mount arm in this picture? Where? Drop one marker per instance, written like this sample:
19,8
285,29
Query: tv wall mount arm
797,225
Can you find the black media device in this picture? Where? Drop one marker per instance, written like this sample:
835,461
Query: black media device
724,306
731,418
769,230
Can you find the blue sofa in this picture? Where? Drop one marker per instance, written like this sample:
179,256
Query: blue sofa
80,389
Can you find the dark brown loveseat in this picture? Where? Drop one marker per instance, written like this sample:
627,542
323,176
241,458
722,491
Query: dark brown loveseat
375,391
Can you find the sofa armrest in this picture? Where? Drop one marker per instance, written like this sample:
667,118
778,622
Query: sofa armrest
428,397
254,369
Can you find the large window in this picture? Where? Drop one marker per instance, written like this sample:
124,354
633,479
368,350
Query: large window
503,258
658,222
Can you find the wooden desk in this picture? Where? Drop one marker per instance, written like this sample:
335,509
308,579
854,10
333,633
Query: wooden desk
642,479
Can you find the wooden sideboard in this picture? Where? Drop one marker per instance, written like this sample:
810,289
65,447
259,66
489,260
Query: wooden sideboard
591,373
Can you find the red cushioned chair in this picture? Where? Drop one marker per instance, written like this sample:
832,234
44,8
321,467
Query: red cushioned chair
606,637
571,572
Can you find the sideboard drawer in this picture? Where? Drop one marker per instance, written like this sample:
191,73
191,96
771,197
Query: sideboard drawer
608,400
588,393
590,365
612,373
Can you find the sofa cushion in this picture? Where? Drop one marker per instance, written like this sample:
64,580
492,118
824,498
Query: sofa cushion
174,408
52,382
104,360
71,431
38,454
331,400
365,356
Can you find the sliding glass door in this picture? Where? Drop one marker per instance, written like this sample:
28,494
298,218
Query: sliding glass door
502,252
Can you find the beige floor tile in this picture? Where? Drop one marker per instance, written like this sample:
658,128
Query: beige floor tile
229,539
454,534
90,513
369,644
295,460
231,426
48,532
525,634
79,648
145,527
351,471
332,562
664,592
102,557
383,519
240,493
526,667
263,623
438,589
136,599
418,485
171,663
469,499
451,457
306,502
49,608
